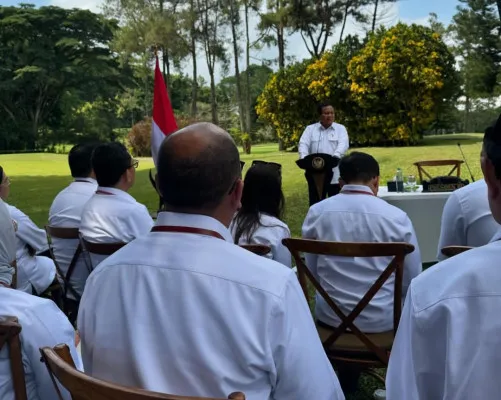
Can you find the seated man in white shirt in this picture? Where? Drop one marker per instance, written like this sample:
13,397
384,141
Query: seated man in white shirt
448,343
112,215
43,324
35,273
325,136
467,219
66,212
358,215
213,318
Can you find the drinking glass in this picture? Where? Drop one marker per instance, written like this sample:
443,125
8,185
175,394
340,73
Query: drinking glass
411,181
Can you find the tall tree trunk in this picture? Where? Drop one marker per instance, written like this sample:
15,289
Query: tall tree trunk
345,17
234,13
213,98
194,87
374,17
247,72
498,3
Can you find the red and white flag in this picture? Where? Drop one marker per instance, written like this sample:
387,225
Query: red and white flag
164,122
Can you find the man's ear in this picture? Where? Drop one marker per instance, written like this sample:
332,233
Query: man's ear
341,183
237,194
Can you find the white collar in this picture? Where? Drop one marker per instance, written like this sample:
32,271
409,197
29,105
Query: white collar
357,188
321,127
88,180
116,192
497,236
194,221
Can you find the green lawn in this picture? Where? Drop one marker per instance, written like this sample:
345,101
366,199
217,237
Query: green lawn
37,178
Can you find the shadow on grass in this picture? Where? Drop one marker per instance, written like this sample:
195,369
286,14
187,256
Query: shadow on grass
447,140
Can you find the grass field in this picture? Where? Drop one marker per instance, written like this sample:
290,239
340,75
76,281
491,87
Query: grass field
37,178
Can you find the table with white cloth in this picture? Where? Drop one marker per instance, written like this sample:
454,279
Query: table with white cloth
425,212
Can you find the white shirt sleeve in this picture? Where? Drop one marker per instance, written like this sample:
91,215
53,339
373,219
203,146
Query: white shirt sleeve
401,382
343,142
49,327
304,143
28,232
452,230
141,222
413,264
298,352
309,231
282,253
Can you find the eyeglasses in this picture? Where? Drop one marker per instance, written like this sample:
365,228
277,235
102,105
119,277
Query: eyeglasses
6,182
134,164
271,164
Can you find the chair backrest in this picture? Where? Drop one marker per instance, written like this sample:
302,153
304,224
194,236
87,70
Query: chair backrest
104,249
13,284
438,163
65,233
259,249
9,334
451,251
397,251
83,387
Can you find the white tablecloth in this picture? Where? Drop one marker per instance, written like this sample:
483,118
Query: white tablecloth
425,212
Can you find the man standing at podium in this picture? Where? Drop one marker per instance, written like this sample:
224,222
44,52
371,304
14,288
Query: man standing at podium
328,137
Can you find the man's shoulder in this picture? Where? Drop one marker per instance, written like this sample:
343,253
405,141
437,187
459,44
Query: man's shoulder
23,305
216,259
472,274
338,126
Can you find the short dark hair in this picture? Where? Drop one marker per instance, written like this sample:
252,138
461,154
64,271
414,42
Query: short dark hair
262,194
110,161
358,167
492,145
80,159
199,180
321,106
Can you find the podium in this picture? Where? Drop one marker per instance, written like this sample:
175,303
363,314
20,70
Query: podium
318,172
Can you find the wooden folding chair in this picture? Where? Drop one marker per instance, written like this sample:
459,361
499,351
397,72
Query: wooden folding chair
438,163
259,249
70,306
346,344
13,284
83,387
103,249
451,251
10,330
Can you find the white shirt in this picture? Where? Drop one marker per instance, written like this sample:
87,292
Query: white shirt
354,217
448,342
43,324
112,216
467,218
269,233
32,271
199,316
66,212
332,140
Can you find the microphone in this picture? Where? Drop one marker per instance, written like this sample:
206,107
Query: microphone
466,163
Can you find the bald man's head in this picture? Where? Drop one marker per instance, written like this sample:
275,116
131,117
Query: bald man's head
197,167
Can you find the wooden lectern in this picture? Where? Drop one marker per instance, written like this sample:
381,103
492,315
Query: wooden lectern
318,172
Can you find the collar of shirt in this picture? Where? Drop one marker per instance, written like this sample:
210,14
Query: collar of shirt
356,189
194,221
497,236
117,192
88,180
322,128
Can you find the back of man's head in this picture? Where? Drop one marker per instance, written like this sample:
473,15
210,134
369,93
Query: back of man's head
110,161
80,160
358,167
492,146
197,167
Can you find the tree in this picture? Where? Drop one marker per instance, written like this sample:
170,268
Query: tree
277,19
45,53
352,8
401,78
375,13
211,36
315,21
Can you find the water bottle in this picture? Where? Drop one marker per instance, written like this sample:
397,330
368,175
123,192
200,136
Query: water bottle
380,394
399,179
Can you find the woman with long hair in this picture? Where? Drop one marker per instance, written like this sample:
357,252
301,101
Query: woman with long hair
259,221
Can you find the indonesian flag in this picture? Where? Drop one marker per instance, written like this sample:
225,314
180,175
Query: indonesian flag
164,122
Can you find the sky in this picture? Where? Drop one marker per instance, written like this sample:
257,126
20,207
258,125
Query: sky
408,11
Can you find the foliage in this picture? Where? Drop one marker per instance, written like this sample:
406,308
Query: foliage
46,53
287,104
139,138
400,79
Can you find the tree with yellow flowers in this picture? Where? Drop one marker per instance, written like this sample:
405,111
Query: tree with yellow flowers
401,79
